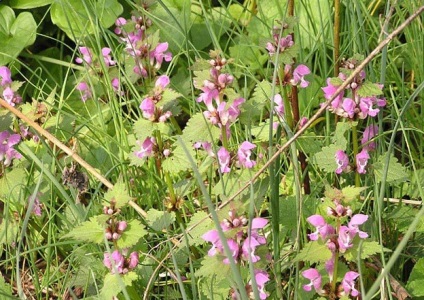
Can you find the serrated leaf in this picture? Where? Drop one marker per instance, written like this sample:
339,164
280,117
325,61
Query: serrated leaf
309,144
336,81
415,283
339,138
396,172
168,95
144,128
367,249
261,131
212,266
202,224
88,231
114,284
325,159
134,231
178,160
198,129
254,106
119,194
288,215
369,89
160,220
314,252
351,192
5,288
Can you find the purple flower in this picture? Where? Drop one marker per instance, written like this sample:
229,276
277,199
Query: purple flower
148,108
8,95
342,161
107,58
315,280
224,160
159,55
36,209
162,81
279,107
86,56
261,278
120,22
7,152
348,283
212,236
133,260
234,248
357,220
349,107
329,91
147,147
6,76
249,245
322,228
361,161
85,91
114,261
345,238
369,132
115,84
298,76
244,153
230,115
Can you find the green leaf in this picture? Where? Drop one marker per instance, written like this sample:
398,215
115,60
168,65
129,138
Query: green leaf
309,143
369,89
88,231
144,128
213,266
119,193
415,283
15,33
26,4
351,192
325,159
76,18
134,231
253,108
288,216
202,224
339,138
198,129
114,284
314,252
11,184
367,249
396,172
5,289
9,230
178,160
160,220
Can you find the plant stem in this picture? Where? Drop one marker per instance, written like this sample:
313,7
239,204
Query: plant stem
355,152
224,136
336,38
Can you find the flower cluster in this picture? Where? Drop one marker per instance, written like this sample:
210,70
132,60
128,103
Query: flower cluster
361,98
339,236
7,87
120,262
150,105
242,245
342,159
7,152
148,56
114,227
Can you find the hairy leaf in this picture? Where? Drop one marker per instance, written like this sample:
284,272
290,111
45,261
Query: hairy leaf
160,220
396,172
115,283
198,129
88,231
134,231
369,89
325,159
202,224
314,252
119,193
367,249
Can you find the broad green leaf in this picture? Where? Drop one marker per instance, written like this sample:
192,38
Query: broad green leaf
26,4
314,252
396,172
261,131
351,192
134,231
309,144
339,138
5,289
9,230
288,215
336,81
213,266
15,33
369,89
119,193
198,129
254,107
325,159
88,231
144,128
115,283
11,184
160,220
202,223
367,249
76,18
178,160
415,283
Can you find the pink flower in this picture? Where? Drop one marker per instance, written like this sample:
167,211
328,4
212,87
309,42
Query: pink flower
361,161
114,261
348,283
162,81
147,148
148,108
369,133
357,220
115,84
212,236
107,58
349,107
261,278
342,161
279,107
298,76
345,238
133,262
159,55
120,22
315,280
36,209
8,95
322,228
329,91
7,152
224,160
85,91
234,248
6,76
87,56
244,153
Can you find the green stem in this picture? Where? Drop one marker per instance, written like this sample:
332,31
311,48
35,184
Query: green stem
355,152
224,136
288,109
336,34
170,187
336,261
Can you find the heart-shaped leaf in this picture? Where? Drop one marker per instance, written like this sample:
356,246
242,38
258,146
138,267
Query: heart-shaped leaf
15,33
